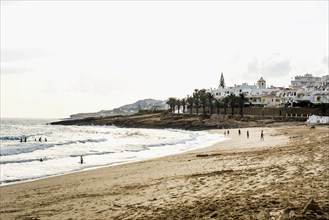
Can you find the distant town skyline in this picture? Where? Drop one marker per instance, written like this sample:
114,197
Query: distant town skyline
60,58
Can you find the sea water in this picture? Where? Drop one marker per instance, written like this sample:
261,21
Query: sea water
99,146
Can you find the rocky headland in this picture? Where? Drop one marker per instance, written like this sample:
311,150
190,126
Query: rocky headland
184,121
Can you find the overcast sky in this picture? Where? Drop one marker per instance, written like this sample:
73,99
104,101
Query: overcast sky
60,58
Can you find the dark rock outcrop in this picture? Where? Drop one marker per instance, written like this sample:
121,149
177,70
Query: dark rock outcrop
180,121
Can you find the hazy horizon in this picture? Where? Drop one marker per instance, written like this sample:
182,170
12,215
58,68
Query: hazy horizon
60,58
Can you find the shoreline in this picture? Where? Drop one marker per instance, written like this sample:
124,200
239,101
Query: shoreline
136,158
129,162
221,180
105,166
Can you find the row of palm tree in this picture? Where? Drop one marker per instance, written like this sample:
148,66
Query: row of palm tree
202,98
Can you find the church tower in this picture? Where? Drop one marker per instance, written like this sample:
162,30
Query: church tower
261,83
221,82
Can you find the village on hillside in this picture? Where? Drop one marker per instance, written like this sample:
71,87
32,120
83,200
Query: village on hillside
304,91
307,95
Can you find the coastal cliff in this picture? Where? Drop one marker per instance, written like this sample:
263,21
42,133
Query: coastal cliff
182,121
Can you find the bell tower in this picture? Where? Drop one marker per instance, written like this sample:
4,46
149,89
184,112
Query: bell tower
221,82
261,83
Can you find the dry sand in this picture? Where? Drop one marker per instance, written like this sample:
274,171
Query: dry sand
236,179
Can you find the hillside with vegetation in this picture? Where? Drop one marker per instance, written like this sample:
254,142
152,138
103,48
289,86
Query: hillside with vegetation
145,104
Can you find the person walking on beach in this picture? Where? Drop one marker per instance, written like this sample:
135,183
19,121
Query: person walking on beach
224,133
228,132
248,134
81,159
262,136
239,132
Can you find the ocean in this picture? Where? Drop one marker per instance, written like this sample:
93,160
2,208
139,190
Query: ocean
99,145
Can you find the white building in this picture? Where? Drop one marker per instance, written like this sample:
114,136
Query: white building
252,92
308,80
271,100
319,97
248,90
325,81
302,90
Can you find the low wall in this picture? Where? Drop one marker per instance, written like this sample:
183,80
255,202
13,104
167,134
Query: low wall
304,112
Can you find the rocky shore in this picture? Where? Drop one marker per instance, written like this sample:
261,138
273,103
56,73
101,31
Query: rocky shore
184,121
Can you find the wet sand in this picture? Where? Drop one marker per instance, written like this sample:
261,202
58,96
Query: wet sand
236,179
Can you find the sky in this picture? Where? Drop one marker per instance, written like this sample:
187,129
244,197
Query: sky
65,57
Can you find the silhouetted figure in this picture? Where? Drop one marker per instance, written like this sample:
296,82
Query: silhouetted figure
24,139
239,132
40,139
81,159
41,159
262,136
248,134
35,139
45,139
21,140
228,132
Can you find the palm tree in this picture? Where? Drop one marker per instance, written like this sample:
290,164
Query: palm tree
183,101
171,102
241,100
232,101
196,99
225,103
203,100
178,103
210,99
190,101
218,104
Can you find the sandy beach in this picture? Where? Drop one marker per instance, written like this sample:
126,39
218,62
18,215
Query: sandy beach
236,179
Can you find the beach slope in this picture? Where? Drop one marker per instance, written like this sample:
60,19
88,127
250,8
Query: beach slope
236,179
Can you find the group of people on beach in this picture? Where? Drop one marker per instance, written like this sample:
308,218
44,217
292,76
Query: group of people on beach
24,139
40,139
227,133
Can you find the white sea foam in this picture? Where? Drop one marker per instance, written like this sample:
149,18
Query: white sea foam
99,145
